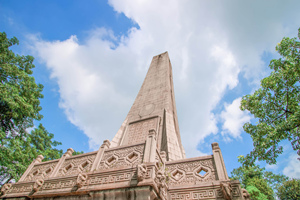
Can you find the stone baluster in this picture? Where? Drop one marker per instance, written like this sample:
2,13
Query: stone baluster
99,155
150,149
68,153
36,161
218,158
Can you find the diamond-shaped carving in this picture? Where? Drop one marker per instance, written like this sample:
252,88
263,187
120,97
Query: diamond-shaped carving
111,160
83,166
35,173
177,174
67,168
202,172
132,157
48,170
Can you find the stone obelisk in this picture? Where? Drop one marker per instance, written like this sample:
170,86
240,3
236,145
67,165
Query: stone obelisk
154,108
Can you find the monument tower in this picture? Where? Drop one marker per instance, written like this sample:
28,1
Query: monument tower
144,161
154,108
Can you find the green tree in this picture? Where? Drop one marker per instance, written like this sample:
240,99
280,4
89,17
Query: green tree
19,103
19,94
289,189
18,153
19,107
259,183
276,105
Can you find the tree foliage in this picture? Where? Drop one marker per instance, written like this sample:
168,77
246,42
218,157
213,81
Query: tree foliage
289,189
19,107
276,105
260,184
19,94
18,153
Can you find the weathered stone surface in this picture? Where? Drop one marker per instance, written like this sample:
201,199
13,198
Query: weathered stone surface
145,160
154,108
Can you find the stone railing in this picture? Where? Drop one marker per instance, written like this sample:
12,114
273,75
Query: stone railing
41,170
191,171
124,157
77,164
72,173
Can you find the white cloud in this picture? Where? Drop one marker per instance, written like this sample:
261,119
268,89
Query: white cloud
292,169
209,44
233,119
271,167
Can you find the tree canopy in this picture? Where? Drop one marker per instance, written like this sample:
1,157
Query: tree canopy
17,154
260,184
19,107
276,105
19,94
289,189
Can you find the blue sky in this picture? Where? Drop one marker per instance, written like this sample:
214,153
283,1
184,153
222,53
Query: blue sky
92,57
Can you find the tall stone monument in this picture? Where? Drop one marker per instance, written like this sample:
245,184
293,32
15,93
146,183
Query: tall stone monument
144,161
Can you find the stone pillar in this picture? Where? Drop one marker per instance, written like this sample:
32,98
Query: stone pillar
218,158
61,161
150,148
99,155
36,161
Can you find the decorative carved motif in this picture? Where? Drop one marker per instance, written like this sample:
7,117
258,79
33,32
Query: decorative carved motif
187,173
245,194
132,157
195,195
55,185
160,180
38,184
122,157
74,166
5,188
234,192
141,172
206,171
41,171
20,188
100,179
81,179
226,190
177,174
111,161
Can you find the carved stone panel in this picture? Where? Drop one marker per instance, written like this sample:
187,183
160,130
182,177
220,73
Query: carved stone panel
195,195
101,179
57,184
21,188
234,190
41,171
74,166
187,173
122,157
